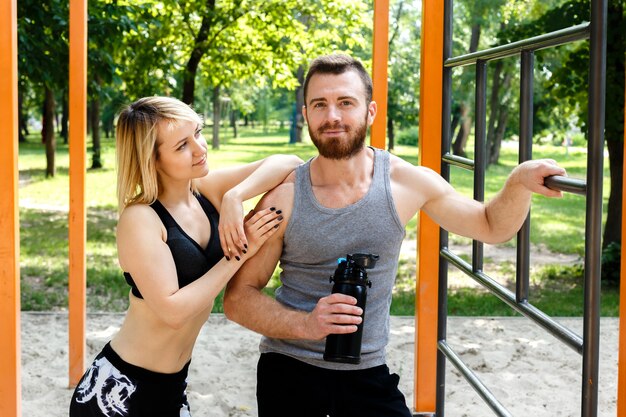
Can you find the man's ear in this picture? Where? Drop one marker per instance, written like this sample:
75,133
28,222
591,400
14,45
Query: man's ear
372,108
304,112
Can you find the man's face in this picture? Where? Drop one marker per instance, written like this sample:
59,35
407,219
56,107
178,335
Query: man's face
337,114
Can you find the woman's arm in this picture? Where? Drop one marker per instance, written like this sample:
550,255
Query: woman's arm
143,253
228,188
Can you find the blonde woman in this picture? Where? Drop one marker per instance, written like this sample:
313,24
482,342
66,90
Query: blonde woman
174,255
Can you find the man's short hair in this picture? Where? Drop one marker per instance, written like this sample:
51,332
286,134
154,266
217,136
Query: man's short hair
338,64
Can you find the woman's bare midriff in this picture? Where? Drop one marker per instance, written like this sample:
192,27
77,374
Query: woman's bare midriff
146,341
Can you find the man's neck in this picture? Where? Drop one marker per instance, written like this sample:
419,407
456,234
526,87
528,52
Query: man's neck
326,172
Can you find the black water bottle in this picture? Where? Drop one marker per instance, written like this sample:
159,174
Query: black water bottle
350,278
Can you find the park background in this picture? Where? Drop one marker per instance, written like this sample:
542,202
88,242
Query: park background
241,65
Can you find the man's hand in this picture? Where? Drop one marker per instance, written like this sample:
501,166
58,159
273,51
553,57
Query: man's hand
334,314
532,174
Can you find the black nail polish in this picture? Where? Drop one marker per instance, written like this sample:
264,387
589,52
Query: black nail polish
280,217
245,245
227,258
276,227
238,258
279,211
272,208
244,251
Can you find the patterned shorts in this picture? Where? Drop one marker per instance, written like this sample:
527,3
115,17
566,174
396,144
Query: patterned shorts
114,388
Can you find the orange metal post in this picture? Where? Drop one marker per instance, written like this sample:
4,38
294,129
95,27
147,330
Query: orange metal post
77,217
10,380
621,360
431,78
380,56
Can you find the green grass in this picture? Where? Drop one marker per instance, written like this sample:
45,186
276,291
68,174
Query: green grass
557,223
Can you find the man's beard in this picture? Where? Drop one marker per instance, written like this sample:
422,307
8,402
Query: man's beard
339,148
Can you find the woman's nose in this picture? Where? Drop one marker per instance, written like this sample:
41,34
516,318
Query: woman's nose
199,145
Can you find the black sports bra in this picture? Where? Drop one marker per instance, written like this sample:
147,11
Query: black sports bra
191,260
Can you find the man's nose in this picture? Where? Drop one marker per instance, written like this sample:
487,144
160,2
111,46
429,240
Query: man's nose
334,114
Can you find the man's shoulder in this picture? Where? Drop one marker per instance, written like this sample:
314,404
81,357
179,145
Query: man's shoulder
281,194
402,170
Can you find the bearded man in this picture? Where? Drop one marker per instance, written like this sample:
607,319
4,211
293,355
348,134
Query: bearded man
349,199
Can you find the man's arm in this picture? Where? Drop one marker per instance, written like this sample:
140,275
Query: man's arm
245,304
416,188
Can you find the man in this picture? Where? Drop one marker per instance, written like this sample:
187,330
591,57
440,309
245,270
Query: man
350,199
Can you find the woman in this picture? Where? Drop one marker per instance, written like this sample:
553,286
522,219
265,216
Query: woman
175,257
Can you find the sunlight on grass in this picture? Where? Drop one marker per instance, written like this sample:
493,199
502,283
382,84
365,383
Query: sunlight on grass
557,224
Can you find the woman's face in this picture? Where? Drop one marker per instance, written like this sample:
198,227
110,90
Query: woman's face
181,150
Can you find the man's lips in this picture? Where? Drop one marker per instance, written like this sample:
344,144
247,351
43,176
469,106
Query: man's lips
334,131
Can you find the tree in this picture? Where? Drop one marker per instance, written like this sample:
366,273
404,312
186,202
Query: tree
403,72
42,46
262,41
108,22
569,82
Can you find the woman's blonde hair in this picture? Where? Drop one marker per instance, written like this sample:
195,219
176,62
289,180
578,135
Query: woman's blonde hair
137,146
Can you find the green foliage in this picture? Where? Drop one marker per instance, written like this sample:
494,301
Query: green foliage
569,73
611,264
404,65
43,33
408,136
43,218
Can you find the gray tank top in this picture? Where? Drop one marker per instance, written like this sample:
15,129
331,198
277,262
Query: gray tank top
315,237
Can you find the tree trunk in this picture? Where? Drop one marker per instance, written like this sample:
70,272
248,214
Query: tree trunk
390,134
613,226
107,126
496,145
199,49
216,118
233,122
299,119
614,134
65,118
494,108
96,161
475,38
456,118
48,131
23,125
458,147
495,142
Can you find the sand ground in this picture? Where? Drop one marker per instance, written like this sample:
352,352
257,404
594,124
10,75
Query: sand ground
528,370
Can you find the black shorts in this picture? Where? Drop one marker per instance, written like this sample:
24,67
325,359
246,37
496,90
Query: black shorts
287,387
112,387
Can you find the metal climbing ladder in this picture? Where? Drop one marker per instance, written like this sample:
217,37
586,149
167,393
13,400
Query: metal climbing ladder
588,344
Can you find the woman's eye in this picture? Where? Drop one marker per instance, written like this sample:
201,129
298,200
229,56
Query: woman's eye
181,147
198,133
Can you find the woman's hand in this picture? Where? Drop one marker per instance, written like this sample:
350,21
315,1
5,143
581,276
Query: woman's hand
260,226
231,229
